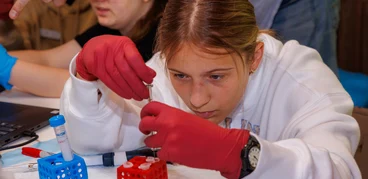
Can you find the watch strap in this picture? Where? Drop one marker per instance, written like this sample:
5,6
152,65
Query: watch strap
246,167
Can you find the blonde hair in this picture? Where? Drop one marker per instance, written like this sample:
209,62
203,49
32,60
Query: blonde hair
228,24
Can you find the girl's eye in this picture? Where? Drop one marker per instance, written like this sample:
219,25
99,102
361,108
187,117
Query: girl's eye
216,77
180,76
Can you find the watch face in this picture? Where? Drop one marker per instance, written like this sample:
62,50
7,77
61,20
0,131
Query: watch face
253,156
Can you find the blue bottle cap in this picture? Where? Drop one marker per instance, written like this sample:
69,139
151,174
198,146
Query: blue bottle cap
57,120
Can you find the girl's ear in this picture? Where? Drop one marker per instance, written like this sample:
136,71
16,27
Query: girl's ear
257,57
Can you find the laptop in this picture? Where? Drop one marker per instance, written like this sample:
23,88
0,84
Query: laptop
15,119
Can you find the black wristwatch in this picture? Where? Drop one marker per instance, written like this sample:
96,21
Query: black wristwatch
249,156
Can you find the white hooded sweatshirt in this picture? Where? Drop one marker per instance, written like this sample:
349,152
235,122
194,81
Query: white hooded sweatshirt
294,105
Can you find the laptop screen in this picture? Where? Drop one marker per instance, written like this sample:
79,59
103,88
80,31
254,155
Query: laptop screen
7,110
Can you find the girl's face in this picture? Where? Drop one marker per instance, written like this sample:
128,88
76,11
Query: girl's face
211,85
120,14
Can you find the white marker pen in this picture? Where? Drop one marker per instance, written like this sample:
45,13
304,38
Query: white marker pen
57,122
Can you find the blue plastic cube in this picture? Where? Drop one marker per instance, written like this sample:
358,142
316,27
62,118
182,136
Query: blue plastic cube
54,167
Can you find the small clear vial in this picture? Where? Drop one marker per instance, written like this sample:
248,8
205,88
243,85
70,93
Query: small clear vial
149,86
57,122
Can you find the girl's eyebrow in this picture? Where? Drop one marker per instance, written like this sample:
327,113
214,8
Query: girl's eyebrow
175,70
211,71
220,69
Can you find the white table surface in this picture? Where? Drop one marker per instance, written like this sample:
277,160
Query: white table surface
47,133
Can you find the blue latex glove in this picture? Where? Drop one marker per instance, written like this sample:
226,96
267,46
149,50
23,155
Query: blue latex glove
6,65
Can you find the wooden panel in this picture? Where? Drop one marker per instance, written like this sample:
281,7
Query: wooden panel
365,37
352,37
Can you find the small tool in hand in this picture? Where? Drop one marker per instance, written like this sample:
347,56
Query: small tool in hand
149,86
154,150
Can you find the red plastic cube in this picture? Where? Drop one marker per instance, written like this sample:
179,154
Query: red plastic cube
144,168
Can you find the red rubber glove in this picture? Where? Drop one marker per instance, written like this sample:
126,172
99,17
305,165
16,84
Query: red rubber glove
5,6
193,141
115,60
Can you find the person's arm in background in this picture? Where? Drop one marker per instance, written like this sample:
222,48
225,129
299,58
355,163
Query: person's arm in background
52,79
58,57
33,78
38,80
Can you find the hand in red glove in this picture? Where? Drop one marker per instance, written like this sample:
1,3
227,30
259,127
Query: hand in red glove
115,60
193,141
5,6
